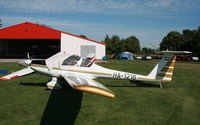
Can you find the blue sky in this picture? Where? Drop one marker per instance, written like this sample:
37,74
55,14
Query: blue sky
148,20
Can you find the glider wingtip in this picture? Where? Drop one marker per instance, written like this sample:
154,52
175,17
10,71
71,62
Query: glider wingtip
95,90
2,78
113,96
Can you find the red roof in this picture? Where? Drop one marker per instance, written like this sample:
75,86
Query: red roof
29,30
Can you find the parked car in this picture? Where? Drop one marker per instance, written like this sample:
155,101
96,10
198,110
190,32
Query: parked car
146,57
138,57
195,58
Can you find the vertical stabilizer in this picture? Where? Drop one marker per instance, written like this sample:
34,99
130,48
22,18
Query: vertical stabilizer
163,71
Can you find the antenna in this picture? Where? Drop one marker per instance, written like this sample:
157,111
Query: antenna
153,46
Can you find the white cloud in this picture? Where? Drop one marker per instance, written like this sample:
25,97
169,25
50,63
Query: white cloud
161,3
97,6
52,22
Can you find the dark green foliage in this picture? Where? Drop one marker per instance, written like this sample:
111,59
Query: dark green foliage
132,44
117,45
173,41
114,44
84,36
189,40
146,50
192,40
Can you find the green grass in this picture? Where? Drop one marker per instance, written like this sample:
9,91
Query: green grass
25,101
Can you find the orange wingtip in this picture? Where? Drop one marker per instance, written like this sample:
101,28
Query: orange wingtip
95,90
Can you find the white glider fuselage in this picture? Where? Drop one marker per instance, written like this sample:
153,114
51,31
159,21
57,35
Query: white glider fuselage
93,72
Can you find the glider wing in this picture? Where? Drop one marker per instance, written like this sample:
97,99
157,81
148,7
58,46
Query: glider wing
16,74
82,83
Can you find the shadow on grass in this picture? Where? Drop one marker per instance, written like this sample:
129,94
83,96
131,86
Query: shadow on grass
62,107
137,83
33,84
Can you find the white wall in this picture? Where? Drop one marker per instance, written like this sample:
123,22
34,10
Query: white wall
73,44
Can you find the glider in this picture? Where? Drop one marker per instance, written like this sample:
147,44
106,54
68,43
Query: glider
79,72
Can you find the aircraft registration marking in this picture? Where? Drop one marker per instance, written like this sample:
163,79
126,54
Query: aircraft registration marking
120,75
101,73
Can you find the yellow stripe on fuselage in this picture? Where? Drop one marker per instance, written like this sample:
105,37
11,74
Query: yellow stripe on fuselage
73,70
91,72
83,71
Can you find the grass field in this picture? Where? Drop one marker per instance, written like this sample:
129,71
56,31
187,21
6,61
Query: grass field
25,101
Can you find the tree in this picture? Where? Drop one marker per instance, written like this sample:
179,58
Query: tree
192,40
198,28
43,25
84,36
107,40
189,40
173,41
113,44
146,50
117,45
132,44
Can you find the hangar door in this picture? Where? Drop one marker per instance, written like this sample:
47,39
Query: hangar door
86,50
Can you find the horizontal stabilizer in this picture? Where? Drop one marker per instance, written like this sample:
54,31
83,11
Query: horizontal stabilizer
174,52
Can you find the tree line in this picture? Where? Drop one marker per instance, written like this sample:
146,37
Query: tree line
189,40
116,45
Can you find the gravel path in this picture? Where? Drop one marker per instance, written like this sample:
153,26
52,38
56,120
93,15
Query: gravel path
11,60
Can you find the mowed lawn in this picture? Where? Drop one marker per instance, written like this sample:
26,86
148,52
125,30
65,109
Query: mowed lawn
25,100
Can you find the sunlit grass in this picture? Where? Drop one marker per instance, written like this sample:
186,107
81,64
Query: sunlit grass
25,101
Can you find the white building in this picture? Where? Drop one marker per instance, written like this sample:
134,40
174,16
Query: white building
82,47
42,41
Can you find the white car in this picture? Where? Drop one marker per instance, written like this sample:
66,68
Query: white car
138,57
195,58
147,57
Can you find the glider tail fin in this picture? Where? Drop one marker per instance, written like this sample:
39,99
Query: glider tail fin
163,71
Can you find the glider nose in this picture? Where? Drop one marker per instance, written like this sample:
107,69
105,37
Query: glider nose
25,63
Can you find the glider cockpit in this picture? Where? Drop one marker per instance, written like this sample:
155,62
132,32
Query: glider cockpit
76,61
71,60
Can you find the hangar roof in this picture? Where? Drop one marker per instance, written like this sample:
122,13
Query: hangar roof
29,30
